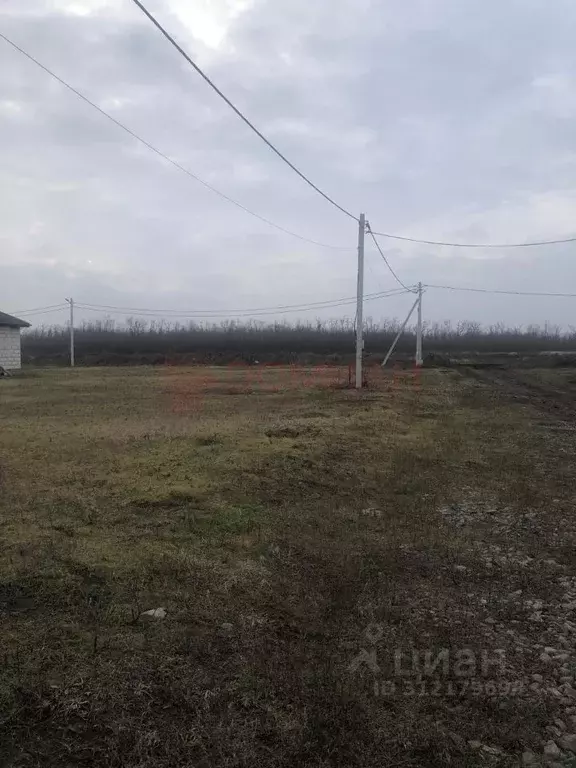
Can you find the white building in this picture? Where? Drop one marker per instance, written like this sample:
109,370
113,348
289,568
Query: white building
10,357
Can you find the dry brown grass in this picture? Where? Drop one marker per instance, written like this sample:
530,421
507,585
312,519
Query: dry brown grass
276,518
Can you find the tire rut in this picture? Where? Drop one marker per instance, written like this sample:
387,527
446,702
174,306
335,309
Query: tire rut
558,403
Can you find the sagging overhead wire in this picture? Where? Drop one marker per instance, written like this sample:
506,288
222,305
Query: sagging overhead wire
497,290
477,245
39,310
236,314
247,210
165,157
192,314
242,309
395,276
243,117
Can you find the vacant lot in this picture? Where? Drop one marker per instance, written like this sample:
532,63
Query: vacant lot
384,579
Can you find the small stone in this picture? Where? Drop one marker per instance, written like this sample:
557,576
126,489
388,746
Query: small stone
551,749
562,657
459,567
490,621
549,649
154,613
474,744
529,758
372,512
491,750
568,741
545,658
456,738
566,679
559,723
537,678
534,686
226,626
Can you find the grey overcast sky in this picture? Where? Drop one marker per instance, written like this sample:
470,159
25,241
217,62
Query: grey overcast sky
441,119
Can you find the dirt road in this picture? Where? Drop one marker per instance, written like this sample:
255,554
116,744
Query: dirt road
550,391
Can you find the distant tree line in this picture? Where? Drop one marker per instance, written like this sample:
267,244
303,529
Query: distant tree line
104,342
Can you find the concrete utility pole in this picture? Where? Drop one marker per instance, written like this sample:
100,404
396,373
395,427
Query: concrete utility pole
71,302
360,301
419,359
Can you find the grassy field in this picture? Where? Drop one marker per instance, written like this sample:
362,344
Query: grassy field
383,579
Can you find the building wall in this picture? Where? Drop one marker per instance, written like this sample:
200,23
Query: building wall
9,347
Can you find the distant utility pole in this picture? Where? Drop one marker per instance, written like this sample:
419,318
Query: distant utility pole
71,302
360,301
419,359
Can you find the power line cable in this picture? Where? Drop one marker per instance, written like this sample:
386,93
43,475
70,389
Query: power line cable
386,260
248,210
38,310
251,125
45,312
167,157
477,245
241,309
496,290
253,213
238,312
125,313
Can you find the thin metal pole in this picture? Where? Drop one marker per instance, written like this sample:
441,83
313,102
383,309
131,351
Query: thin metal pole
419,360
400,332
71,302
360,301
